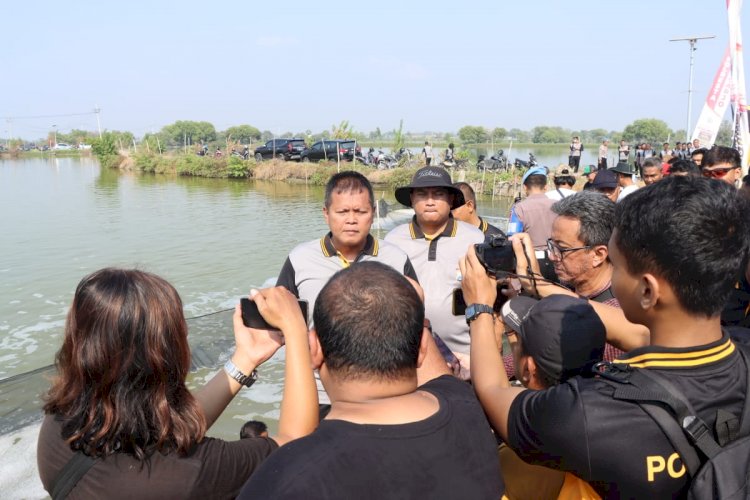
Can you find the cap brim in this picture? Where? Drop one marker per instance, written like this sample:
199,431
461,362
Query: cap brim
515,310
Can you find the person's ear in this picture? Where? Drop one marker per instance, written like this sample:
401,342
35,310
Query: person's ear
470,206
325,213
528,370
423,342
648,291
600,254
316,353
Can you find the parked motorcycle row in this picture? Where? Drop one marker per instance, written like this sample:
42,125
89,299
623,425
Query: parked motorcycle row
499,162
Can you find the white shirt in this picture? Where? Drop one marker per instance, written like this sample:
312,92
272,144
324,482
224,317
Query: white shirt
554,194
626,191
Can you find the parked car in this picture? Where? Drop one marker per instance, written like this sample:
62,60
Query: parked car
331,149
283,149
61,146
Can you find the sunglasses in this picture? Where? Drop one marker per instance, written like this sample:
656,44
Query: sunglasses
716,173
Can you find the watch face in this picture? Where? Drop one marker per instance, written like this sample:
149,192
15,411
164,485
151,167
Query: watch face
470,311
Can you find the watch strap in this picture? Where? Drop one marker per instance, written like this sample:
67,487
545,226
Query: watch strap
477,310
236,374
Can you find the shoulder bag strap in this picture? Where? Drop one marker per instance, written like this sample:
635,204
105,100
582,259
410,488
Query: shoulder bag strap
69,476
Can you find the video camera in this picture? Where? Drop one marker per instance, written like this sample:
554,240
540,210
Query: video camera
497,256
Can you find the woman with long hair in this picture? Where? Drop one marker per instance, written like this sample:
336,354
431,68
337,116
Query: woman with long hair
120,404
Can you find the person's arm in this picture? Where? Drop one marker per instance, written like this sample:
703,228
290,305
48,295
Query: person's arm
287,277
487,371
299,402
252,348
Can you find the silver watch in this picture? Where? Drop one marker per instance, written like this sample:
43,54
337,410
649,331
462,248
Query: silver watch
236,374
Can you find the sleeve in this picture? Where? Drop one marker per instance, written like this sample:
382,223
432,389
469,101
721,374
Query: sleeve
287,278
227,464
548,428
409,270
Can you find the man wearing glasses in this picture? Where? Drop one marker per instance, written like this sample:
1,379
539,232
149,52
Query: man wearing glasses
578,251
722,163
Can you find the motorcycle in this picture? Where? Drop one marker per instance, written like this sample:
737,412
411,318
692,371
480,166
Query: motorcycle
384,161
519,163
496,162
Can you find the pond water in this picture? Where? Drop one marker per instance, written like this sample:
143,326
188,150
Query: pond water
62,218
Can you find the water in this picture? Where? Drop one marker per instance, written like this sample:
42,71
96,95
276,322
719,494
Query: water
62,218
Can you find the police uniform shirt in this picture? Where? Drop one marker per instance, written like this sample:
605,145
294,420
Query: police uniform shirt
436,264
310,265
614,445
488,229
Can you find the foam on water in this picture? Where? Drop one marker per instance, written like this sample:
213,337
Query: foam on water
18,475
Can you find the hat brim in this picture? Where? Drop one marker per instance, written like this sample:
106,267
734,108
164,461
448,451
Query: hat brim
515,310
403,195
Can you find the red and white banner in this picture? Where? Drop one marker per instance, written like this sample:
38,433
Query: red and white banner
716,105
739,97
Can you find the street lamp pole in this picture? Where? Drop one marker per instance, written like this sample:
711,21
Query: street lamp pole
692,40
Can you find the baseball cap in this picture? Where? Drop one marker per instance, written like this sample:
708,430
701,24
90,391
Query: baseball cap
534,171
430,177
562,169
588,169
605,179
563,334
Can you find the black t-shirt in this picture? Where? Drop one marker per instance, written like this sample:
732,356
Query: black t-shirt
451,454
613,444
214,469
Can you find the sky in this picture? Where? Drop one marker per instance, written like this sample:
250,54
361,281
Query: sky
294,66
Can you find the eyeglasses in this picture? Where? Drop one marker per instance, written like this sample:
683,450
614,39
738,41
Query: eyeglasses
554,250
716,173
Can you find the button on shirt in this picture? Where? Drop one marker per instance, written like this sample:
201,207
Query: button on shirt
436,264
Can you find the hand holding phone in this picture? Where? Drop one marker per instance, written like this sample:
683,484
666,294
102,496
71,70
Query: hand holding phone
252,318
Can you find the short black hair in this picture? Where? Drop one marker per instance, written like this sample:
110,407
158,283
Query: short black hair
253,429
746,180
467,190
535,180
596,214
345,182
685,166
690,231
564,180
722,154
369,321
699,151
652,162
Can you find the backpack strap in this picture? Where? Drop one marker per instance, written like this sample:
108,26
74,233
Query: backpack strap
68,477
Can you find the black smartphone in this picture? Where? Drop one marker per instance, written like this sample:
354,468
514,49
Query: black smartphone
251,317
459,304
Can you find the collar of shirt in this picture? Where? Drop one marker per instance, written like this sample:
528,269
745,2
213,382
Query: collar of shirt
326,246
449,232
679,357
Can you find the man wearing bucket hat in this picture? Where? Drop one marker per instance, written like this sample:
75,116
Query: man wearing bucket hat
625,179
434,241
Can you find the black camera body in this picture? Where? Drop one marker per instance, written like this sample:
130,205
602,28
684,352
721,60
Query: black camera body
497,256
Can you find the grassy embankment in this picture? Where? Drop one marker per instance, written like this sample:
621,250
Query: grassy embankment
312,173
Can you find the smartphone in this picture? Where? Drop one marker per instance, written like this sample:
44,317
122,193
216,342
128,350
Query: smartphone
448,355
459,304
251,317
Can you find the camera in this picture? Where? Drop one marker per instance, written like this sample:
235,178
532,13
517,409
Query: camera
497,256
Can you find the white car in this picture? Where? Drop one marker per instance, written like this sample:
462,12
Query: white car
61,146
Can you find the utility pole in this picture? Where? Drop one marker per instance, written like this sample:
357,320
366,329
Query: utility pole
98,110
54,128
692,40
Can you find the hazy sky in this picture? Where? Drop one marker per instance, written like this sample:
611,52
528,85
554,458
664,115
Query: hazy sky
299,65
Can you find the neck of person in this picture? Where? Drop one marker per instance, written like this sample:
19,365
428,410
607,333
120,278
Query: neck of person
376,400
626,182
474,220
595,280
350,252
676,328
432,229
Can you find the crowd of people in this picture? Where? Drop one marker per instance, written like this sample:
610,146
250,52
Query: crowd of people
426,369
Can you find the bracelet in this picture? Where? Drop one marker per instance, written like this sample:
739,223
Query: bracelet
236,374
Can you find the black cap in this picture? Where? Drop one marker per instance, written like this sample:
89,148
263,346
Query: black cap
563,334
605,179
427,177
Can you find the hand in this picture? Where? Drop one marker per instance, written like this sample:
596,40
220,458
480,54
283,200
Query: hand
477,285
522,247
252,347
279,307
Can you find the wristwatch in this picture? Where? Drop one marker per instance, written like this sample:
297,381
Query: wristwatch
236,374
474,310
